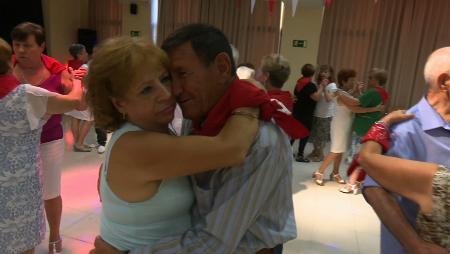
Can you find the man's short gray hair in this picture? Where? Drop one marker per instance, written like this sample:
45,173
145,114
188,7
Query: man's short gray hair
438,63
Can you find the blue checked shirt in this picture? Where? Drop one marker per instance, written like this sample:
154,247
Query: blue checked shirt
424,138
241,209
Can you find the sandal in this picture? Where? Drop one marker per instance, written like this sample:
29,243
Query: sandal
81,149
54,246
337,178
350,188
318,178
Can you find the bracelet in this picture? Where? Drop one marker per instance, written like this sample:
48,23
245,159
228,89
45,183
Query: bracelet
244,113
379,133
382,123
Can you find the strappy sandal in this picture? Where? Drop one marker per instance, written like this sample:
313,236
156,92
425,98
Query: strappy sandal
337,178
53,246
350,188
318,178
81,148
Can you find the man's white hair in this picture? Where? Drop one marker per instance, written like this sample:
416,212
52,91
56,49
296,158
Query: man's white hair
244,72
438,63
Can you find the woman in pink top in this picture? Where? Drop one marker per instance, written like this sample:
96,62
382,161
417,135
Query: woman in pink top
33,67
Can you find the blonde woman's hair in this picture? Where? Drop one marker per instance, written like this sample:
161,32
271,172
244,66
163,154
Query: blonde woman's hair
5,57
278,68
117,65
380,75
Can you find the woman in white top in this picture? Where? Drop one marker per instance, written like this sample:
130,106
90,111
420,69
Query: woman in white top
341,127
82,121
324,112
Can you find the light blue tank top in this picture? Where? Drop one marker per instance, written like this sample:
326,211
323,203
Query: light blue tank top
128,225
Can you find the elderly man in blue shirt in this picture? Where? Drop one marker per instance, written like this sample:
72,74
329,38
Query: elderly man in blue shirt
425,138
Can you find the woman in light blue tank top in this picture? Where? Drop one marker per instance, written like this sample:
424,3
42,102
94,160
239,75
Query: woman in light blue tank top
146,195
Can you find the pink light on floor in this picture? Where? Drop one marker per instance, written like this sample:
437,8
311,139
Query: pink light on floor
79,186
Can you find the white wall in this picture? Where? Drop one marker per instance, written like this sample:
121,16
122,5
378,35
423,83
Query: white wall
62,18
139,22
305,25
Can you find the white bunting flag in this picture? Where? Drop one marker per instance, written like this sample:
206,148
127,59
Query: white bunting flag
294,7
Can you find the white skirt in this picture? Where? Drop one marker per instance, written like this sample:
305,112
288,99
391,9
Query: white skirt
85,115
341,128
52,154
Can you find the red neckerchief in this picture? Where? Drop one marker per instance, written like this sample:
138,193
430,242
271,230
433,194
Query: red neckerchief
284,97
244,94
384,95
7,84
51,64
302,82
74,64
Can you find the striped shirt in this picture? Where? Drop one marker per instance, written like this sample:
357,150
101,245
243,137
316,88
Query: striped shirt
241,209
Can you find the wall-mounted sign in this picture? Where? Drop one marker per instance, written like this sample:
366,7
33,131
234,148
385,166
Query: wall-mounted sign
135,33
299,43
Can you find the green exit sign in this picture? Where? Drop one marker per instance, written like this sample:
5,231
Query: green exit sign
299,43
135,33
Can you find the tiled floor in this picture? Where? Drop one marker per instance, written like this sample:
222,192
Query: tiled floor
327,220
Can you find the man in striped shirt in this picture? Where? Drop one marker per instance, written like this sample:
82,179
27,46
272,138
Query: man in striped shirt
242,209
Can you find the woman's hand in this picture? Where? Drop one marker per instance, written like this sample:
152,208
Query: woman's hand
325,82
102,247
380,107
396,116
79,74
428,248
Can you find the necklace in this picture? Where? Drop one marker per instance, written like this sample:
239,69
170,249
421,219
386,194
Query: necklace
25,80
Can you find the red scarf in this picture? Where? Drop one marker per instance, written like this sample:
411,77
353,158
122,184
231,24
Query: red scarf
244,94
51,64
7,84
284,97
302,82
384,95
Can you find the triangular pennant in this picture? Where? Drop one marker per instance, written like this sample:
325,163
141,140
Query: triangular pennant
253,6
271,6
294,7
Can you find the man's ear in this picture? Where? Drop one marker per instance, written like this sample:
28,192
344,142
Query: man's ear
443,82
42,46
223,64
